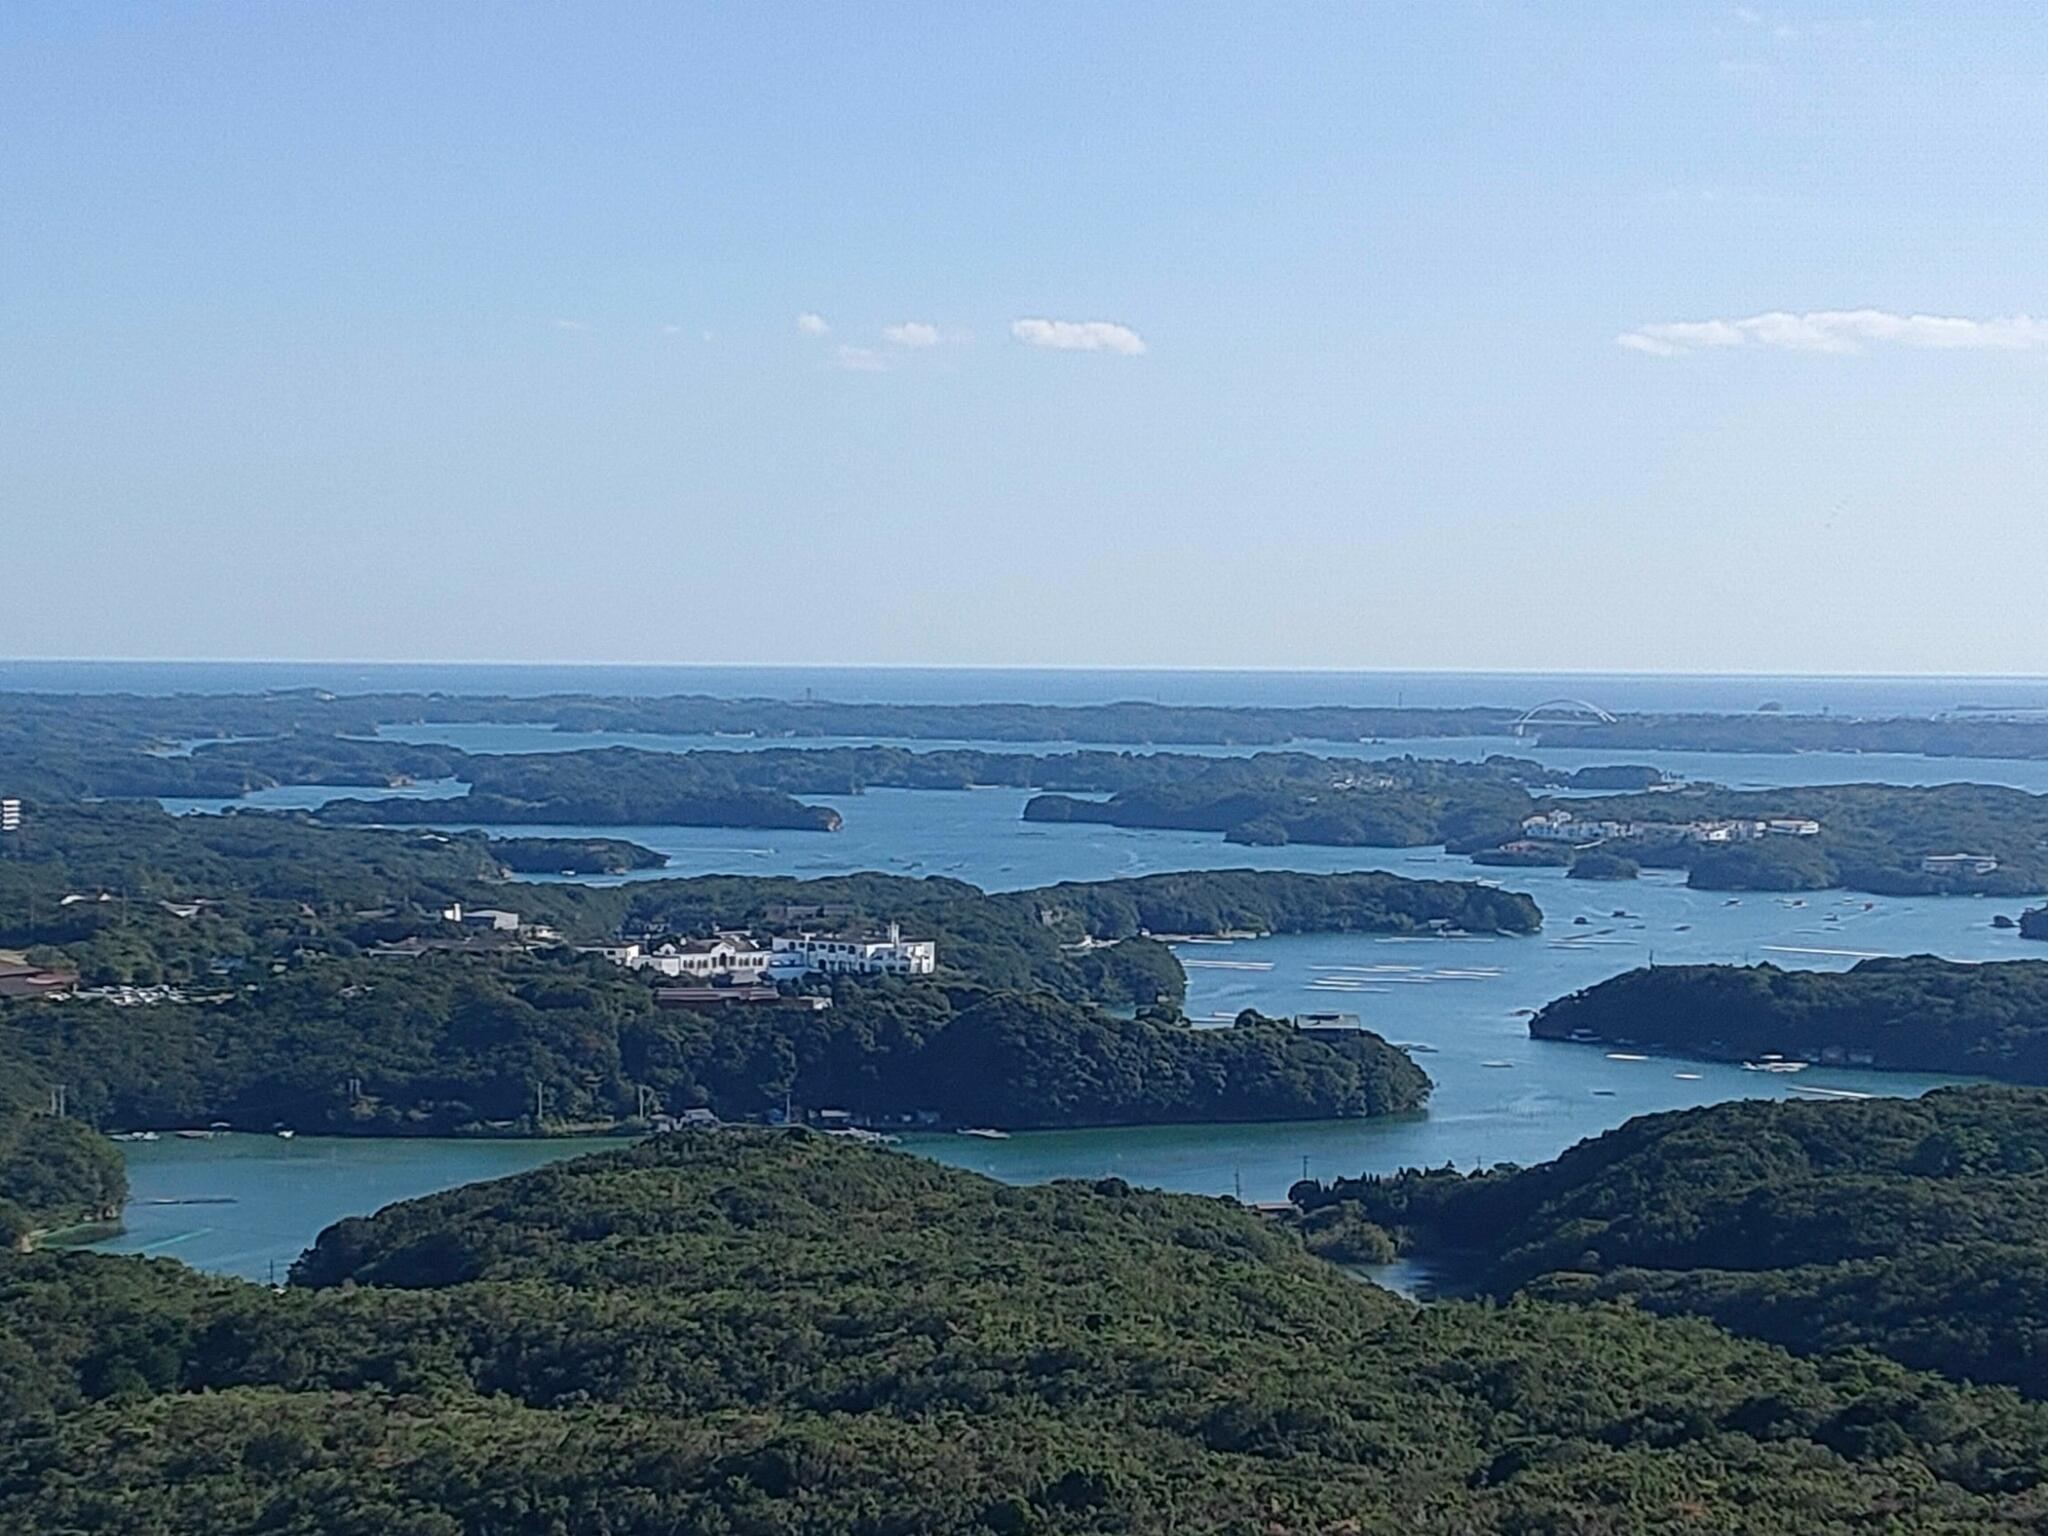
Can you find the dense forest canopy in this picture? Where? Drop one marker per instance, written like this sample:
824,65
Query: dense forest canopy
294,1002
1918,1228
769,1333
1915,1013
465,1043
54,1171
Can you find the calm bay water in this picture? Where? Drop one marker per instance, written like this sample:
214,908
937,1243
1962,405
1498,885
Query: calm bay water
1500,1095
259,1201
1459,1002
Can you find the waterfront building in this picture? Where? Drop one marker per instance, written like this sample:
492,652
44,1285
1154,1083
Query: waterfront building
1329,1026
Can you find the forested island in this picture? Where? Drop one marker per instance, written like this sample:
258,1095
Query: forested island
451,1044
1868,837
313,978
1910,1014
1884,838
69,726
1286,798
572,855
1397,801
1918,1228
772,1332
1888,839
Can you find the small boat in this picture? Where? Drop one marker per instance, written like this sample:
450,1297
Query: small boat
1774,1066
1603,1093
1625,1056
286,1135
1687,1077
1496,1063
984,1132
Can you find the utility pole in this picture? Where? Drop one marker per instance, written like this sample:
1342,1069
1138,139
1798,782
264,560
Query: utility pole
60,1098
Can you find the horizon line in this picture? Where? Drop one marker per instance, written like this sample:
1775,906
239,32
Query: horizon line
1018,666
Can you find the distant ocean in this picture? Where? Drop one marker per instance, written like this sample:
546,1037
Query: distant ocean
1621,692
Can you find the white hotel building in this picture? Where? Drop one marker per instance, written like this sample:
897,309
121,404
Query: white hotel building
740,957
836,954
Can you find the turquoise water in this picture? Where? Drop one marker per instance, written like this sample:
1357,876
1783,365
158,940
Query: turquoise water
276,1196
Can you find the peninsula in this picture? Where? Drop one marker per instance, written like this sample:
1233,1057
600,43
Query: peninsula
778,1332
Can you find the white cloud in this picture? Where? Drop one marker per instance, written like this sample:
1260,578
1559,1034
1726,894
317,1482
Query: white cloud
862,360
1839,330
1079,336
812,324
911,333
561,324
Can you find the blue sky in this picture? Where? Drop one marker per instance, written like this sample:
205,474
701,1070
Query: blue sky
1453,335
